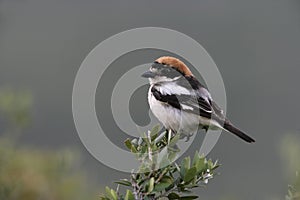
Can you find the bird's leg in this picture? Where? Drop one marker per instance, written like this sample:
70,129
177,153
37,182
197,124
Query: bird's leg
187,136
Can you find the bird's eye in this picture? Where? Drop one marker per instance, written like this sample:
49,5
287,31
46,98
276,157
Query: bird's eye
156,65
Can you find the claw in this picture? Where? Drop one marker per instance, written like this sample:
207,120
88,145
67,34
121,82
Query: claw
188,136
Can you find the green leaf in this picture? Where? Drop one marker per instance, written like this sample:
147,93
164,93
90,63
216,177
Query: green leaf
151,185
133,149
190,174
172,156
162,159
174,140
107,190
114,194
111,194
123,182
130,146
127,143
164,183
196,158
185,165
210,164
216,165
129,195
200,165
146,139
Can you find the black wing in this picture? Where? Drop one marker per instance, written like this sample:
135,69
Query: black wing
193,104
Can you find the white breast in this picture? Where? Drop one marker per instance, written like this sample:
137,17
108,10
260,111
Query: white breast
173,118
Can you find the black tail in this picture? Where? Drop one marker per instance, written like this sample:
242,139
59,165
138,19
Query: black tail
229,127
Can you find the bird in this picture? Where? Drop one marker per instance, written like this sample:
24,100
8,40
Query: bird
181,103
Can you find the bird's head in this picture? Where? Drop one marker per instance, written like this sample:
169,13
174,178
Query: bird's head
166,69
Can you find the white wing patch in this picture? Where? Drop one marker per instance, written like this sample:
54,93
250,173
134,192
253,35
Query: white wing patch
173,88
185,107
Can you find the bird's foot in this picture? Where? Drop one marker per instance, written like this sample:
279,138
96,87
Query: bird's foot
187,136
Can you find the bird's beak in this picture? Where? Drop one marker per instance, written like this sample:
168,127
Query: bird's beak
148,74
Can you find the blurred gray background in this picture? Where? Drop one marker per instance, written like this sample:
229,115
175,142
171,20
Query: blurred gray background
255,44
